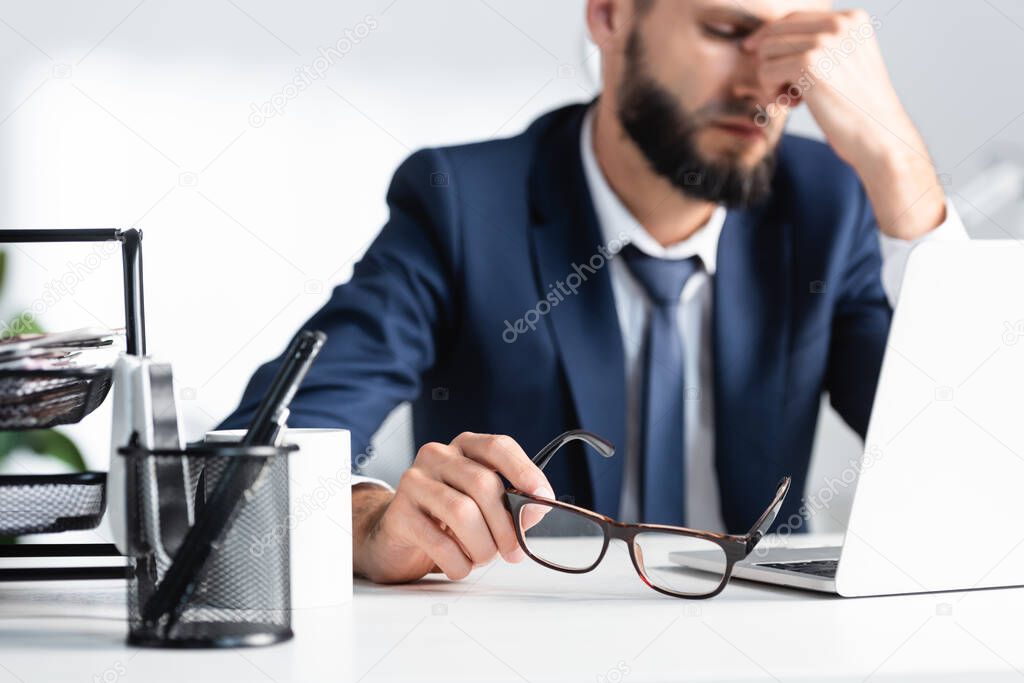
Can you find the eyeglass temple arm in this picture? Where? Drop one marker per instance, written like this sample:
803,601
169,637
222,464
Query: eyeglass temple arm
600,444
764,522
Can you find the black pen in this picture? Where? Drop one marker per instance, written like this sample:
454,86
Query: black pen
172,595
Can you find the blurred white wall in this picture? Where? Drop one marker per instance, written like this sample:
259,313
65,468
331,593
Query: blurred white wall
128,113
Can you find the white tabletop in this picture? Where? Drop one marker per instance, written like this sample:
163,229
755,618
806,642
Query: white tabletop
527,623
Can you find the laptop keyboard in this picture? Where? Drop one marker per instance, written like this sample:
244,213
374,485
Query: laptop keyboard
823,568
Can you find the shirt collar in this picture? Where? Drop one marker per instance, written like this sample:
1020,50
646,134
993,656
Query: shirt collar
615,220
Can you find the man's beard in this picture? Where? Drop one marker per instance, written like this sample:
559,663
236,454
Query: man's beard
665,134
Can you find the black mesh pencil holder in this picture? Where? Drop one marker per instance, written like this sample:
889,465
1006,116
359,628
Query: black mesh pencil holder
242,592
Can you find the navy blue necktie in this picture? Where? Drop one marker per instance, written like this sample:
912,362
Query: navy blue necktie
662,443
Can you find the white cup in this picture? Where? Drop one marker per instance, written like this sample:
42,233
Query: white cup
320,514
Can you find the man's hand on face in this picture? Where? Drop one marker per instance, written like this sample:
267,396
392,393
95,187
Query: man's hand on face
832,61
448,512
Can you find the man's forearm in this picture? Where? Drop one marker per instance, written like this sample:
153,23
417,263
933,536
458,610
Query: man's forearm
905,194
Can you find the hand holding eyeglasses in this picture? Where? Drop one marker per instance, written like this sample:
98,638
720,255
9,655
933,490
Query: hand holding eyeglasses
447,513
451,512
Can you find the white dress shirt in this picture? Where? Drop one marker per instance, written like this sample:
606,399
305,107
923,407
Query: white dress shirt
703,510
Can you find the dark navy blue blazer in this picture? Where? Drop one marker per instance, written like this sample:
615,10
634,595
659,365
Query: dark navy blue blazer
478,233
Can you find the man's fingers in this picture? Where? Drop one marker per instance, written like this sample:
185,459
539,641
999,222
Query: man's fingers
458,486
781,46
485,488
503,454
532,513
440,547
813,22
793,24
459,513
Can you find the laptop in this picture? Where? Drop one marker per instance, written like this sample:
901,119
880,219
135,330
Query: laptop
939,492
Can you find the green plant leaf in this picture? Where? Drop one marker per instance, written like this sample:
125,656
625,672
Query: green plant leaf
9,441
22,323
53,443
3,269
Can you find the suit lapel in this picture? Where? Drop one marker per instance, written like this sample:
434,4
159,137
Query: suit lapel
585,326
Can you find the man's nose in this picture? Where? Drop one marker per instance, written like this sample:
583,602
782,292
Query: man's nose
746,83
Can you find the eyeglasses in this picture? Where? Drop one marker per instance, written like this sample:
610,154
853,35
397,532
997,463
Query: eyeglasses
570,539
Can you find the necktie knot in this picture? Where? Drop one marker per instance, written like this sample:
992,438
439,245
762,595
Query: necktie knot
663,279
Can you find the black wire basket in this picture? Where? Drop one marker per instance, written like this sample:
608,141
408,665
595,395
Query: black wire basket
50,503
40,399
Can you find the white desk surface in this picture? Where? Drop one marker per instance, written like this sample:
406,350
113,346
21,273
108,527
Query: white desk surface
526,623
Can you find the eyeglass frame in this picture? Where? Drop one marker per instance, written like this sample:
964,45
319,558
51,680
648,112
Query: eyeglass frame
735,546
